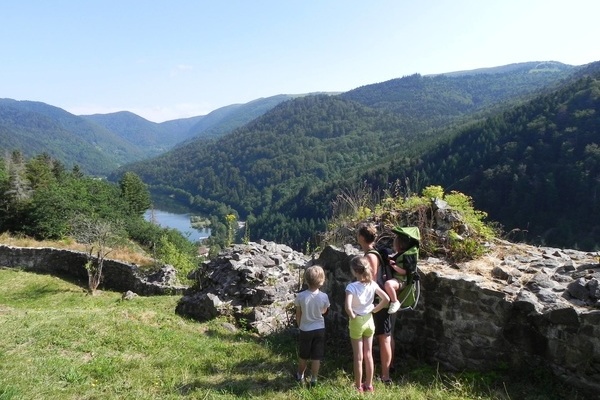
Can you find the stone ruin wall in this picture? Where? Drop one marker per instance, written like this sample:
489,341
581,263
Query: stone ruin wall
470,321
516,314
117,275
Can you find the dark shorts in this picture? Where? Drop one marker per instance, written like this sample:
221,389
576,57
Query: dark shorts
312,344
384,322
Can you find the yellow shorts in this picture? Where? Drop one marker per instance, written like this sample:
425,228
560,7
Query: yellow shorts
362,326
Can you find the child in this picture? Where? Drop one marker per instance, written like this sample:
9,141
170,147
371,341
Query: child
404,262
359,306
311,304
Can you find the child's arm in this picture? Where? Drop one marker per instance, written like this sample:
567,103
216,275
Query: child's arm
385,299
326,305
396,268
298,315
348,306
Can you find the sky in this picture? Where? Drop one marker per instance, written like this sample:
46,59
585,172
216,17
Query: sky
165,60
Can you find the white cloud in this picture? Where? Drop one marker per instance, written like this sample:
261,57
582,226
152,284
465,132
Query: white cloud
180,69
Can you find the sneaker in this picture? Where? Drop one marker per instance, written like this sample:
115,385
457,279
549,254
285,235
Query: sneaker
299,378
312,384
359,389
369,389
394,307
387,382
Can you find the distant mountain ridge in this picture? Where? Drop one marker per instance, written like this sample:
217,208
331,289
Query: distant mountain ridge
35,127
434,100
274,168
153,138
100,143
529,67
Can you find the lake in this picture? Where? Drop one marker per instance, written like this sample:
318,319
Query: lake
181,222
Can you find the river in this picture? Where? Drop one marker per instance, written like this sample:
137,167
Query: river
181,222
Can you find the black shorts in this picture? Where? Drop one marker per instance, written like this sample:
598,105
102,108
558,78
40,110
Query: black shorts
312,344
384,322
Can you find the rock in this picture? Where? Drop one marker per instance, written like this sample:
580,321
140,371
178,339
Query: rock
255,283
128,295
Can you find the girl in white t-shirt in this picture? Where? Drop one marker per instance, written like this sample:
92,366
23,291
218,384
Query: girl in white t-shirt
359,306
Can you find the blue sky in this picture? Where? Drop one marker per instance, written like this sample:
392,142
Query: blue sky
172,59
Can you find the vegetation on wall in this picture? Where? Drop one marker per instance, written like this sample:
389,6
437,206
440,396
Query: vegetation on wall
466,239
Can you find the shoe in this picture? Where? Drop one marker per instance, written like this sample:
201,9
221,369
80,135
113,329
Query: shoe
369,389
312,384
359,389
387,382
394,307
299,378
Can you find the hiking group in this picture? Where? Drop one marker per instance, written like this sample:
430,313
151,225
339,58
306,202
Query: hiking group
384,282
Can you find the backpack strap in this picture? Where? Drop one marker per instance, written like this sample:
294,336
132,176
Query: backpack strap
379,278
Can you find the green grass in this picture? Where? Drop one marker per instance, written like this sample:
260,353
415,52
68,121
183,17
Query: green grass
58,342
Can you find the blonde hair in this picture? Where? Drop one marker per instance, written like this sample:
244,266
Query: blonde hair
367,231
361,267
314,276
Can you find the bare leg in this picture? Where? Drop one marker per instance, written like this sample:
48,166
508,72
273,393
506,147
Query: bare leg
385,353
390,288
357,351
314,369
301,367
368,355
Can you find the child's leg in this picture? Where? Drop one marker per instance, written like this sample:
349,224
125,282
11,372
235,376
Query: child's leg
367,344
301,368
390,287
314,370
358,354
317,352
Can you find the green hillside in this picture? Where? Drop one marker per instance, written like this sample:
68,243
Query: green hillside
153,139
149,137
34,127
225,119
283,169
302,141
535,168
433,101
100,143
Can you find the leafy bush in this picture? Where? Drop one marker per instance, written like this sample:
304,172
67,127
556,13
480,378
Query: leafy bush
356,206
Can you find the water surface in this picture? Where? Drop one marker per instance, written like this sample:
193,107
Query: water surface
181,222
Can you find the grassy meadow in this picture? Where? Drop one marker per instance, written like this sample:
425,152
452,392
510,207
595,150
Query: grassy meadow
58,342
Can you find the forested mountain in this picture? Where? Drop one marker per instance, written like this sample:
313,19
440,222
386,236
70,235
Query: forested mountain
519,139
535,168
299,143
275,169
34,128
100,143
268,168
433,101
156,138
151,138
225,119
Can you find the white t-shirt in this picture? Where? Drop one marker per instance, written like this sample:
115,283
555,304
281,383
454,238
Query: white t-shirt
363,295
312,305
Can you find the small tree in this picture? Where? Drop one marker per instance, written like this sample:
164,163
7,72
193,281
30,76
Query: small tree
231,220
135,192
99,237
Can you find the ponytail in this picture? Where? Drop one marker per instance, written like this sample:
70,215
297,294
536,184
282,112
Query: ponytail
361,267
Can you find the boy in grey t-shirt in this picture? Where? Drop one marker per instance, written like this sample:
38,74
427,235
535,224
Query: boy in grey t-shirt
311,304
